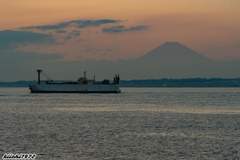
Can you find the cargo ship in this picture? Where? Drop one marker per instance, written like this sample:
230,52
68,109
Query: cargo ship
82,85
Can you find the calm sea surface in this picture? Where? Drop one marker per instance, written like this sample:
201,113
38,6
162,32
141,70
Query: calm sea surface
139,123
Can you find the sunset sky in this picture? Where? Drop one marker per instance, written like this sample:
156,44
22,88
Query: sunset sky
117,29
211,27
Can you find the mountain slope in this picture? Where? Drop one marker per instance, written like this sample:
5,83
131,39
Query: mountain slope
174,52
174,60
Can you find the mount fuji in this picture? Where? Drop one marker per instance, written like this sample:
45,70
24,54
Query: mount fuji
175,60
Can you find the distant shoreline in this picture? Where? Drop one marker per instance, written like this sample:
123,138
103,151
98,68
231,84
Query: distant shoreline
190,82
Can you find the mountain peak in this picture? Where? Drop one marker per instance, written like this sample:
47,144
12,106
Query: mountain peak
173,47
171,43
174,52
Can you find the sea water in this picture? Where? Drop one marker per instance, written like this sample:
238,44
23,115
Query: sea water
139,123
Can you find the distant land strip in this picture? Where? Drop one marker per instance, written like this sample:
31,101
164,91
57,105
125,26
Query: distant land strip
190,82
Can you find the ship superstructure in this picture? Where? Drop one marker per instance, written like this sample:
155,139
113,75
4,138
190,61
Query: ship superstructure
82,85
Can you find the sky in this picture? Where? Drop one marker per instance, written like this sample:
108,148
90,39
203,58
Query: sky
77,30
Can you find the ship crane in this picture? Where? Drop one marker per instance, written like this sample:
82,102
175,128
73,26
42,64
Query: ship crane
39,71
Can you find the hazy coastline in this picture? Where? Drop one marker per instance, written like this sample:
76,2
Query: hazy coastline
190,82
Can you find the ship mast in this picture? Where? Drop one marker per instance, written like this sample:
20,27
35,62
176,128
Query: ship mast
39,72
85,74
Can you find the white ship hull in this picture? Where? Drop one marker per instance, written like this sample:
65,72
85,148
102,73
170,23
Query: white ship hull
83,85
74,88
